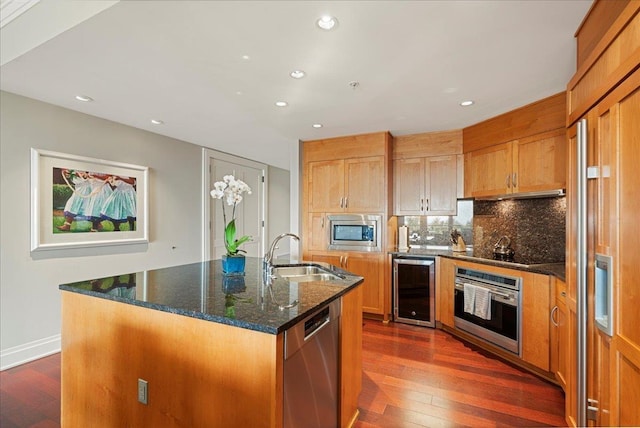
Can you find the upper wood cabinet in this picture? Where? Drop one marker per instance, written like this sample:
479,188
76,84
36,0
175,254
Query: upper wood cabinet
487,172
365,190
540,162
347,185
325,186
425,186
531,164
427,173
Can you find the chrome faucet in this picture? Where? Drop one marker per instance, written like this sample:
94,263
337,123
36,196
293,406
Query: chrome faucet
268,258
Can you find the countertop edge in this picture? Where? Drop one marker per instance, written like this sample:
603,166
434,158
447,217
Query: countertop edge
213,318
556,270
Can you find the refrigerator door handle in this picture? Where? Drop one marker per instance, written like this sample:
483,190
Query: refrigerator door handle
581,271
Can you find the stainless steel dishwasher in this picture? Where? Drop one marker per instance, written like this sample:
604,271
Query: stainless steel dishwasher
311,370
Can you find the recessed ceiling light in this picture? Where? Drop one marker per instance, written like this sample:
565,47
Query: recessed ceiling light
84,98
466,103
317,125
281,103
246,57
157,122
297,74
327,22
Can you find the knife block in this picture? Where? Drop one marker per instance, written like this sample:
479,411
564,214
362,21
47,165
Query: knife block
459,246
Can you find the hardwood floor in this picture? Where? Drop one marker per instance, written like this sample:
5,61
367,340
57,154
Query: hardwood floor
413,377
422,377
30,394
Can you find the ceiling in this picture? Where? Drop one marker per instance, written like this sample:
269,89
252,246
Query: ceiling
182,62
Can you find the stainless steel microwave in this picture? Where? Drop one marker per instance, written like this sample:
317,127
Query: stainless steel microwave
355,232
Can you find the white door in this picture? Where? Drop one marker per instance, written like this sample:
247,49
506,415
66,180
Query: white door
249,212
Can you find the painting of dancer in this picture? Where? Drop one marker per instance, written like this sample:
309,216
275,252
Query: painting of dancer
89,201
79,202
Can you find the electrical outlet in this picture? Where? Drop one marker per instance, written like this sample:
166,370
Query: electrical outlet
143,391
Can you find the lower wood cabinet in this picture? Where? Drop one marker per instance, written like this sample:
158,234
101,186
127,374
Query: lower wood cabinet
368,265
536,298
559,333
350,356
535,318
445,280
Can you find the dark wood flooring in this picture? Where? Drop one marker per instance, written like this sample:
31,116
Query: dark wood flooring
413,377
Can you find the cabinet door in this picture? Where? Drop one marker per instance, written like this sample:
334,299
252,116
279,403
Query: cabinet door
562,335
535,320
365,185
441,185
487,172
318,233
326,186
540,162
335,260
408,183
350,356
445,283
370,267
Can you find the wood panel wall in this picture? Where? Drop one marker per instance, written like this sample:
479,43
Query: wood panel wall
601,16
427,144
541,116
199,373
352,146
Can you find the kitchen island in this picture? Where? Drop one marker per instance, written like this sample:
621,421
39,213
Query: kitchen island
209,347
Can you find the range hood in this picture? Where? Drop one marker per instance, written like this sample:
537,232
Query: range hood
524,195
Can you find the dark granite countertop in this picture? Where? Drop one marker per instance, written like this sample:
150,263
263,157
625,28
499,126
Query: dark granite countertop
200,290
554,269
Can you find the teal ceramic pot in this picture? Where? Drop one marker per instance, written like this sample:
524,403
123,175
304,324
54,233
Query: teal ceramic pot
233,265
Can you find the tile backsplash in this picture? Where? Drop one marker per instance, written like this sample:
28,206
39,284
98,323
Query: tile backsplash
536,228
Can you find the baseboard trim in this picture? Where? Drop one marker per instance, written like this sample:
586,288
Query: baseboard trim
31,351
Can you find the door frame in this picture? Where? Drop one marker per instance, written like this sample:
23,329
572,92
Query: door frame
207,158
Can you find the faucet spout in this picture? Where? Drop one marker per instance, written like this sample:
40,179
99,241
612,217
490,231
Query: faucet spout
268,258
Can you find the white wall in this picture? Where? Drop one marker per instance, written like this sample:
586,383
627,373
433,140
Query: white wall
278,209
30,299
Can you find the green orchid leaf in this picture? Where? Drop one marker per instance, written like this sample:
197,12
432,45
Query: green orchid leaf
229,237
242,240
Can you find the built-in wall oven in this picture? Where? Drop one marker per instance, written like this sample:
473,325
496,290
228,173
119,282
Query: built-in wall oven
489,307
414,290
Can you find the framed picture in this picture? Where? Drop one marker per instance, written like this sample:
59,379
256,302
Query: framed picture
84,202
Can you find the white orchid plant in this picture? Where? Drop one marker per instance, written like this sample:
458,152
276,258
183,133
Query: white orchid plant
230,190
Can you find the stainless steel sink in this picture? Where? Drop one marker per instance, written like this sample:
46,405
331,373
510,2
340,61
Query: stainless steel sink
305,273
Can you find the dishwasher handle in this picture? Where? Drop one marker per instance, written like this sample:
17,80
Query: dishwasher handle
316,322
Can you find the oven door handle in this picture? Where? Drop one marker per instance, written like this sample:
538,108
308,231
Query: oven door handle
498,293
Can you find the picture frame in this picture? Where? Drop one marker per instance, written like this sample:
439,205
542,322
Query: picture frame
79,202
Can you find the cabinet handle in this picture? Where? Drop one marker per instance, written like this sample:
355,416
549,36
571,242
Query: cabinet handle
553,320
421,204
515,180
427,205
563,294
341,202
508,181
346,202
322,226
